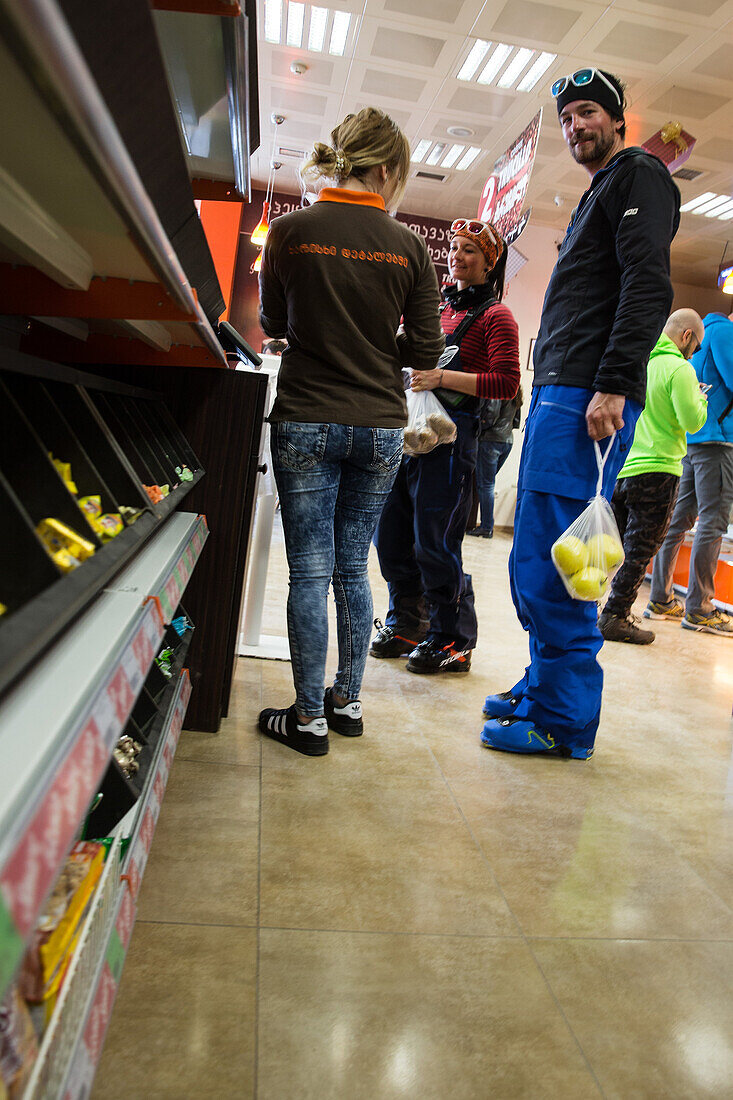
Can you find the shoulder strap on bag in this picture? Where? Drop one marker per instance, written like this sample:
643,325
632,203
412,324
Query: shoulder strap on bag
460,331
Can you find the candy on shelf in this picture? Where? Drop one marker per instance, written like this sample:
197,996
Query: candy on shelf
130,514
184,473
18,1044
126,753
154,492
3,610
163,661
165,490
66,547
181,625
64,469
52,945
105,524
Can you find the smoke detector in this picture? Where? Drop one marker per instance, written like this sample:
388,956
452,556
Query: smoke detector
297,68
460,131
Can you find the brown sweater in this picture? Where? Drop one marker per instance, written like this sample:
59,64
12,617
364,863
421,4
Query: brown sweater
336,278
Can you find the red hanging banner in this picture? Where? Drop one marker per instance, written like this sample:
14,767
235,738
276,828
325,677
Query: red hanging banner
504,192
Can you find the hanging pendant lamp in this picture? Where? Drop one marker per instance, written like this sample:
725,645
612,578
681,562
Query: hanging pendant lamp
260,231
256,265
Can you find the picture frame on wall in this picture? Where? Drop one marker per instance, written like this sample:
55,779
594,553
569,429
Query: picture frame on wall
532,342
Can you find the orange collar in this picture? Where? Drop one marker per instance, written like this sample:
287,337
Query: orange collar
345,194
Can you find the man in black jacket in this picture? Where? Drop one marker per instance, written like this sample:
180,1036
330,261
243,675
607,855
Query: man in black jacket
605,306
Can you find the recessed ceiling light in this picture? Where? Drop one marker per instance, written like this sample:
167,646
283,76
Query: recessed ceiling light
538,69
339,32
420,150
692,204
459,131
452,156
317,32
296,12
273,20
468,158
495,62
474,59
436,153
515,68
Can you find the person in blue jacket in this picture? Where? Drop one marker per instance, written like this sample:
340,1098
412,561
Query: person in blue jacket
605,306
705,494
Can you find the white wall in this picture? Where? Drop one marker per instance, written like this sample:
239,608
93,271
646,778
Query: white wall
524,296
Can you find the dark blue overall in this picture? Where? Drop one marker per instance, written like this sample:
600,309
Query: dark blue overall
421,530
563,683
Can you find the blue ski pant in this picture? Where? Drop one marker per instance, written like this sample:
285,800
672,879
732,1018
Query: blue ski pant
562,686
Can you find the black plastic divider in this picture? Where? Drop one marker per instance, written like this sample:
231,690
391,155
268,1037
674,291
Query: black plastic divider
157,441
128,414
25,567
58,438
110,459
120,793
173,451
121,433
182,445
32,475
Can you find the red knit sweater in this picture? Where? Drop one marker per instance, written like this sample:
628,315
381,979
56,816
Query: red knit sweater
489,349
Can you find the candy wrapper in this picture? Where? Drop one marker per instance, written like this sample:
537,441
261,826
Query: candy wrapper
64,469
18,1044
590,552
104,524
154,492
184,473
428,424
66,548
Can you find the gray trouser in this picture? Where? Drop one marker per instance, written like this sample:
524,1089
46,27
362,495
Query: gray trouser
706,494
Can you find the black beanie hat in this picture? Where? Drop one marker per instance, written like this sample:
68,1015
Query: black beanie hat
597,91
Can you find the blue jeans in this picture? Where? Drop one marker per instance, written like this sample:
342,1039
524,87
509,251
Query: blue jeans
333,480
491,457
562,686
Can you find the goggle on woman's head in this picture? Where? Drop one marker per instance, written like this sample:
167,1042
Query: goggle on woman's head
482,234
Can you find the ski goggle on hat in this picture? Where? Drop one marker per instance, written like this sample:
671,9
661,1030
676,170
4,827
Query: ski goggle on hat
594,85
482,234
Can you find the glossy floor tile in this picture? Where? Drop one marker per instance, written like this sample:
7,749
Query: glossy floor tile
183,1025
415,1016
415,916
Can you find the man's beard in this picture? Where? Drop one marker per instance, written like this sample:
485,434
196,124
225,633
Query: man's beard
596,149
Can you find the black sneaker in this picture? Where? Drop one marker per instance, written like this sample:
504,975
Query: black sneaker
344,720
310,738
388,643
431,657
615,628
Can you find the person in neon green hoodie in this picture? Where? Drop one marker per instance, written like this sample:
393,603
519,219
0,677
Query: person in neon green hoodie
646,491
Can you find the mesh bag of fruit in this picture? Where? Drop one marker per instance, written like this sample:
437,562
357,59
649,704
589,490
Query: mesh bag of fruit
428,424
589,552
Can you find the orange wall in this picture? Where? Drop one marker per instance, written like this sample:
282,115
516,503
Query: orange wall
221,226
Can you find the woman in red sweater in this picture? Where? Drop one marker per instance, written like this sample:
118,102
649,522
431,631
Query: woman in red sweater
431,606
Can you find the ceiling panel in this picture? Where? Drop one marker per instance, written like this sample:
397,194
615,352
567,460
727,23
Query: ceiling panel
393,85
438,10
417,49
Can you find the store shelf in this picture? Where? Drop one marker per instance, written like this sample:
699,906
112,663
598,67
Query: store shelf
73,1040
59,726
89,218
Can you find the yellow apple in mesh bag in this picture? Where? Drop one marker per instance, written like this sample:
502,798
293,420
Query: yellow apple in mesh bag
589,583
604,552
570,554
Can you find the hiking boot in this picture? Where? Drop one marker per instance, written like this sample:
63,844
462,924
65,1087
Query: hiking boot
344,720
388,643
309,738
717,622
521,735
501,705
431,657
615,628
672,610
481,532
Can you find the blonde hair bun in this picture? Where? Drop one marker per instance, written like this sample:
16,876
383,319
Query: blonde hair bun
362,141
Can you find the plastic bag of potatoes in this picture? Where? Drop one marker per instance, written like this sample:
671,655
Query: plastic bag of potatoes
428,424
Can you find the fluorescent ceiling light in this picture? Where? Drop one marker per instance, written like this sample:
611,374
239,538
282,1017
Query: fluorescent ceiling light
420,150
515,67
436,153
537,70
694,203
339,32
296,13
495,62
713,204
720,210
726,216
452,156
474,59
273,20
468,158
317,32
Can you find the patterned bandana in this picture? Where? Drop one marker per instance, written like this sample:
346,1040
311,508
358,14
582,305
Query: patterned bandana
483,234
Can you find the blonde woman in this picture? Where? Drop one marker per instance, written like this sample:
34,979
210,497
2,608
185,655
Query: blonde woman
336,278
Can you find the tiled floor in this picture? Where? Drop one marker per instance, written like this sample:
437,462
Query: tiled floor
413,916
